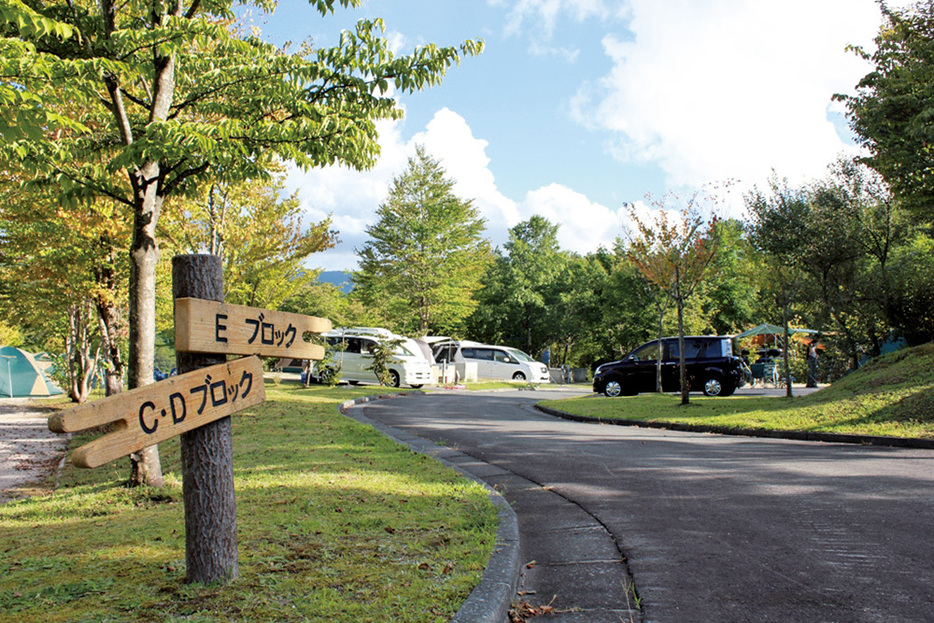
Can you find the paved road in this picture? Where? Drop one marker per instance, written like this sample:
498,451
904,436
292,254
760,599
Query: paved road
708,527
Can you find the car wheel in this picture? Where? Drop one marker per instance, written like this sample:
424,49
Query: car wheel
714,386
419,386
612,389
518,376
325,377
394,380
355,383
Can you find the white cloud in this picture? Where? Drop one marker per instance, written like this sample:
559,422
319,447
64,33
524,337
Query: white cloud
538,19
718,89
353,196
584,225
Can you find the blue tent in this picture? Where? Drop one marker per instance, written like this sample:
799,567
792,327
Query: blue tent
22,375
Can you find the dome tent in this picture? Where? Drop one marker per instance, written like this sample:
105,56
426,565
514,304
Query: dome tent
22,375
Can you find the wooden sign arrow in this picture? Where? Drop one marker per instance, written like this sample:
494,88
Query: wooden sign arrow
148,415
210,327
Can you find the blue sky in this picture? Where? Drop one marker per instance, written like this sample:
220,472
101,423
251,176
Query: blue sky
577,107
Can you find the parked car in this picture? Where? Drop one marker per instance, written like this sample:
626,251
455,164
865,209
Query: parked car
493,362
352,357
710,364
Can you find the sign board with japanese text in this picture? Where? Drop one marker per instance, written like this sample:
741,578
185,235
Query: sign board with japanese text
151,414
203,326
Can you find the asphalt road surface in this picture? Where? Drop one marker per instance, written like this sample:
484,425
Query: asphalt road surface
706,528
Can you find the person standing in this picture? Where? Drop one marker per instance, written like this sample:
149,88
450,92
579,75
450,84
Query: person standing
812,364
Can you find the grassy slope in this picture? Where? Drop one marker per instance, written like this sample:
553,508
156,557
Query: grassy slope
893,396
335,523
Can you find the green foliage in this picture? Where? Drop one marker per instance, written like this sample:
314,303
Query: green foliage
426,252
519,288
258,234
891,111
910,306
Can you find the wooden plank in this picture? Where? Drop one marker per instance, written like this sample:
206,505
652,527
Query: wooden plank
210,327
148,415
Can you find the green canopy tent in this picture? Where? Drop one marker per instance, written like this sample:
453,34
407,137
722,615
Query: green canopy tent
22,375
769,329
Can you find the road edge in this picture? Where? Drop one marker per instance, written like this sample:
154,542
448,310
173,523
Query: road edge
865,440
491,599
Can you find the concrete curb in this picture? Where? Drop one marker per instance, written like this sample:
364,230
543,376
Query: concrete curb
866,440
490,600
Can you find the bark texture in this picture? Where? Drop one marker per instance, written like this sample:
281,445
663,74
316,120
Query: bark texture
207,452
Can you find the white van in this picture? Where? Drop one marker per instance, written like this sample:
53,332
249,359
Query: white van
352,356
493,362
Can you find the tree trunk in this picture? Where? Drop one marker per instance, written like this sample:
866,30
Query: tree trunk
658,361
207,451
679,299
144,255
107,315
788,391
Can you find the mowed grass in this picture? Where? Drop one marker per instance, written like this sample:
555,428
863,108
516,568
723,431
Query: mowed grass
335,523
891,396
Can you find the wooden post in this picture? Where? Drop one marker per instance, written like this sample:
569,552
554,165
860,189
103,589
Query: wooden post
207,452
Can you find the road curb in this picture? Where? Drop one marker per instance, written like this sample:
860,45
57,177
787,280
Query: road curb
490,600
865,440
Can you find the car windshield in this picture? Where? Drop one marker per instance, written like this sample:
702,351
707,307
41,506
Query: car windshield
518,355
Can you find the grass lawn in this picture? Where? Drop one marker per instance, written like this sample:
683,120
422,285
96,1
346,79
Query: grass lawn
335,523
891,396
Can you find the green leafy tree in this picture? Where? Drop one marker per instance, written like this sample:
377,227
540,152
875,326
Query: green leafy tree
426,252
518,289
892,108
778,224
63,276
140,102
257,233
674,253
728,301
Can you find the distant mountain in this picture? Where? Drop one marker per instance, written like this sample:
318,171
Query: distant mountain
339,278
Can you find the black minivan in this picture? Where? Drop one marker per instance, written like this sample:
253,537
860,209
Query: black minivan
710,364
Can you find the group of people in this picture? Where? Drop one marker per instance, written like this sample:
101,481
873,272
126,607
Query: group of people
765,357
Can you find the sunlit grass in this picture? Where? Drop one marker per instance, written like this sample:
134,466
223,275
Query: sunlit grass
892,396
335,523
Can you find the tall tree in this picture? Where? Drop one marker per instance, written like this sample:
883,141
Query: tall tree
518,289
778,224
894,103
170,97
426,252
673,253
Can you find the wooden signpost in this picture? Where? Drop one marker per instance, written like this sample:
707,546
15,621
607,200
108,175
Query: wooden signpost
211,327
197,404
153,413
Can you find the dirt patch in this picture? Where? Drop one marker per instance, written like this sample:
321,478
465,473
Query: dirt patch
29,451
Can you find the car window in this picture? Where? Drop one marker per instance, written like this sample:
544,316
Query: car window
353,345
649,352
502,356
518,355
693,349
486,354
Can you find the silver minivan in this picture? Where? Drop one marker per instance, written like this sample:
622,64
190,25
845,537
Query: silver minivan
352,357
493,362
